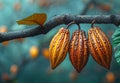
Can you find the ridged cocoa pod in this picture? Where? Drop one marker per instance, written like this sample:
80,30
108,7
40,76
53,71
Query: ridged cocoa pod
100,47
58,47
78,50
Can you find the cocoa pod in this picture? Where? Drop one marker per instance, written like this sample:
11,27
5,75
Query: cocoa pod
78,50
100,47
58,47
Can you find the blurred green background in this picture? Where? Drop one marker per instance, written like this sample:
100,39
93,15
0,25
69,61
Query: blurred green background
17,65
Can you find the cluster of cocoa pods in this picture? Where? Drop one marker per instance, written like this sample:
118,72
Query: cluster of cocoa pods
79,47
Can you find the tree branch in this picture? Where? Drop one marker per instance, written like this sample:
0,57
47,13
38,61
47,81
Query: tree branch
58,20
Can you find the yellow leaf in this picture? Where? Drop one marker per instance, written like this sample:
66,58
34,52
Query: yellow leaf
34,19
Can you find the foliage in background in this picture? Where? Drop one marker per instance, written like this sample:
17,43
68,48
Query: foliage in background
116,44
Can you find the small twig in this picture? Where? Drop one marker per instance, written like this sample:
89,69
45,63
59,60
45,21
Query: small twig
92,24
73,22
78,26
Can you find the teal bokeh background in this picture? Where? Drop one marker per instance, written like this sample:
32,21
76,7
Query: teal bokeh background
38,70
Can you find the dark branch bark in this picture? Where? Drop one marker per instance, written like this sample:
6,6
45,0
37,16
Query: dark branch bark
58,20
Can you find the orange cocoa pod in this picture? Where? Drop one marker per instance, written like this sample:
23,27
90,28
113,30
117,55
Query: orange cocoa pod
58,47
78,50
100,47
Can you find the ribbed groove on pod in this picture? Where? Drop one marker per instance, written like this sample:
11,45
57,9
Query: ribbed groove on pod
78,50
58,47
100,47
108,47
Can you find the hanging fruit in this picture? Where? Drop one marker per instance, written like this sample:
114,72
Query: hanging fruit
100,47
58,47
78,50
